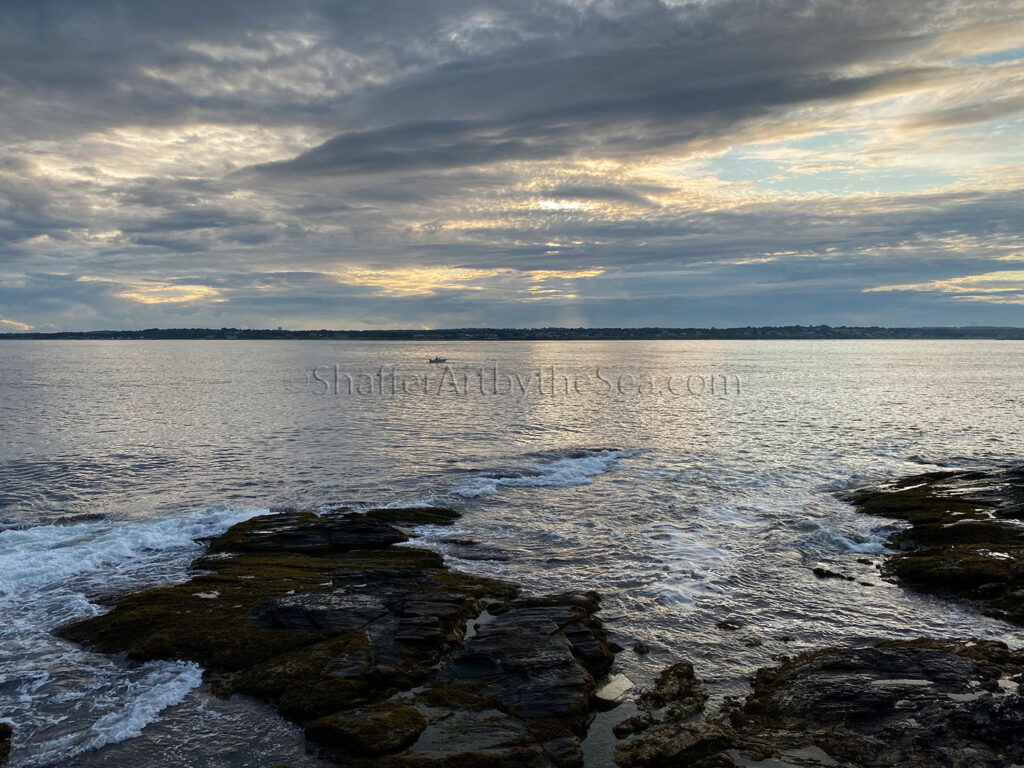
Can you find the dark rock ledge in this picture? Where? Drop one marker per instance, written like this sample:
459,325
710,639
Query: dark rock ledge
382,653
965,539
917,704
5,742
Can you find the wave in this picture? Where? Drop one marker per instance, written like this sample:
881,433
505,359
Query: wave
33,558
62,699
827,537
563,471
166,685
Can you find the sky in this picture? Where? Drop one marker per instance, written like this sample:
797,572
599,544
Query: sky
456,163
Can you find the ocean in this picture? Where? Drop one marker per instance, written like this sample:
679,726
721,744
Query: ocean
695,485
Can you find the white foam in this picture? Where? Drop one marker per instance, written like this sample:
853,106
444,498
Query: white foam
34,558
565,472
870,542
696,565
165,686
361,506
62,699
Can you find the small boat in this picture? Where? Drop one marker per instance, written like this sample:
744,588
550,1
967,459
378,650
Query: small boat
438,360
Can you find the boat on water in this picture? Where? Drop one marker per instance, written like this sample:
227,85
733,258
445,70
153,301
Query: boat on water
438,360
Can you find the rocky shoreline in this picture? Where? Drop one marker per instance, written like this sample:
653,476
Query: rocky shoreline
965,540
913,704
387,657
382,653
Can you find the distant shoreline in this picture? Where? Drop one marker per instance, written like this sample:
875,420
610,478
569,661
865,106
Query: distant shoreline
797,332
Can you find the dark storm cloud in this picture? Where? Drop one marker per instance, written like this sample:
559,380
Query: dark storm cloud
672,77
415,146
668,117
80,66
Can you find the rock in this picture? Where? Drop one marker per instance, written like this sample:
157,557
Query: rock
6,733
678,691
825,573
962,541
410,516
615,688
913,704
564,752
538,659
308,533
369,732
364,644
726,624
472,737
916,704
641,648
673,745
634,724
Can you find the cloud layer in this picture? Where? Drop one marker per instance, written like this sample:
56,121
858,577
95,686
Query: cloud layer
473,162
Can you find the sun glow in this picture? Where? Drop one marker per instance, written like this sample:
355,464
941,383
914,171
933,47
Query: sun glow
160,292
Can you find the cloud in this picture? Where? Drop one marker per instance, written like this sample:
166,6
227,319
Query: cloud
14,325
153,292
1005,287
487,161
421,281
978,112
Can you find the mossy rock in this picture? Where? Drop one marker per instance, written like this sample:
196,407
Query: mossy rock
678,690
465,697
959,568
369,732
208,619
313,681
350,642
674,744
308,533
956,544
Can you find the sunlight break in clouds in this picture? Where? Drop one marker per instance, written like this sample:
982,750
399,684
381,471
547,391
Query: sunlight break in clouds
1006,287
14,325
149,292
415,281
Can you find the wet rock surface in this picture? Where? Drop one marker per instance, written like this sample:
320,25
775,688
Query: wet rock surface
965,539
917,704
5,742
677,693
382,653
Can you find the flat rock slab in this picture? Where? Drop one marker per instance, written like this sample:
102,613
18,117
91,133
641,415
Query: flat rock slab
308,533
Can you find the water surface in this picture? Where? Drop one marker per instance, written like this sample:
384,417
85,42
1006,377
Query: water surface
697,514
